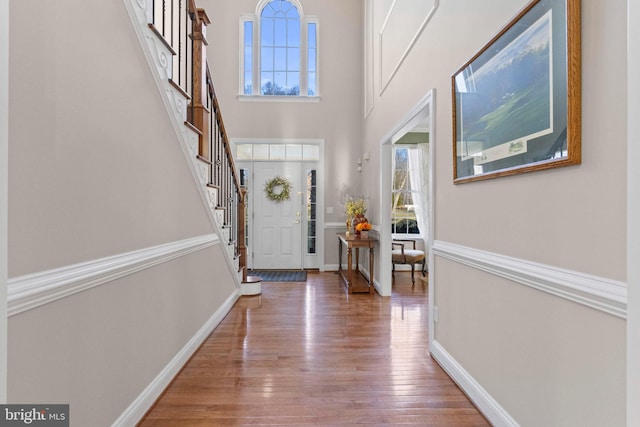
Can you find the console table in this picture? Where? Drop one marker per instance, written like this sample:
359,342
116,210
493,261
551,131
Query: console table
355,281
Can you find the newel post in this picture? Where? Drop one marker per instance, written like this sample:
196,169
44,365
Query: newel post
242,248
199,111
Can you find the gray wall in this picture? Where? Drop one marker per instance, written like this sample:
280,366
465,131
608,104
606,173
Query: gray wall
96,170
633,224
4,188
337,118
528,349
98,350
573,218
75,178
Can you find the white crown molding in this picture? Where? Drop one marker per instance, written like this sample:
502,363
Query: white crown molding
606,295
136,411
489,407
34,290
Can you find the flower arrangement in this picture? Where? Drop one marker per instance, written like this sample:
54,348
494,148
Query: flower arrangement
355,206
363,226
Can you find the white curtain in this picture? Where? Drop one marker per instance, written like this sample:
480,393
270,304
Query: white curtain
419,176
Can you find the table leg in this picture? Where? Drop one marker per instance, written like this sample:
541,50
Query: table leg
349,268
371,270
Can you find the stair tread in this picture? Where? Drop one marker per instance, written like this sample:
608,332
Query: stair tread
179,89
192,127
204,160
162,39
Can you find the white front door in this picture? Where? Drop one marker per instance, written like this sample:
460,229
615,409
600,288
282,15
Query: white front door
277,226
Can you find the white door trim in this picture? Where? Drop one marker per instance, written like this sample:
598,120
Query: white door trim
320,195
408,122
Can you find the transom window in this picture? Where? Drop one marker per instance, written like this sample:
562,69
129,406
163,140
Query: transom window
279,51
277,152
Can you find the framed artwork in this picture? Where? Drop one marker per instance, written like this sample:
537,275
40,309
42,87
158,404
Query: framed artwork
516,103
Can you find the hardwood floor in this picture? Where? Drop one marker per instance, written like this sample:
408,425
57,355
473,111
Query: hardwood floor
311,354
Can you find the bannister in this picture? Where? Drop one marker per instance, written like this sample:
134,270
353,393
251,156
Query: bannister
199,109
224,174
172,20
182,25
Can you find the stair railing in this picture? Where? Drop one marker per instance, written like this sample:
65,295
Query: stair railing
182,26
172,21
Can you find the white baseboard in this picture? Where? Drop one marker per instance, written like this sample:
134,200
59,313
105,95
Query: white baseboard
334,268
152,392
489,407
330,267
406,267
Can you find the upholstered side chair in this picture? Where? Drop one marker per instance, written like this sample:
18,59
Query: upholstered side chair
405,252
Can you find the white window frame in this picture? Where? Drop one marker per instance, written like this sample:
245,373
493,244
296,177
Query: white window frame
304,50
411,236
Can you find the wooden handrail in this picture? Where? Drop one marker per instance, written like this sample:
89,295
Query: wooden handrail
218,113
193,11
204,114
199,116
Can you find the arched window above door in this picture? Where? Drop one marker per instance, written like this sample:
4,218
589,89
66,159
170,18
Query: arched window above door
279,52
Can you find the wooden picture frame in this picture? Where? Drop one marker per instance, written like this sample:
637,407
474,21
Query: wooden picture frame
517,102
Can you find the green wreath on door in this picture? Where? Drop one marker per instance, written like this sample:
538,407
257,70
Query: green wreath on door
277,189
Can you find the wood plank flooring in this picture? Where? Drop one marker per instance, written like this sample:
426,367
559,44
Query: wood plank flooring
311,354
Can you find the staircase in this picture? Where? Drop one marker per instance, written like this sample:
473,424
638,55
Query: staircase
173,38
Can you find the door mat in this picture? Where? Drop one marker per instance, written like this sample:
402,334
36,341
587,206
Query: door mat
280,275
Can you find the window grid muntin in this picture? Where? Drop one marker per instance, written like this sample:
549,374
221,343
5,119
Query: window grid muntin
403,222
253,81
274,152
244,183
279,49
247,66
312,58
312,205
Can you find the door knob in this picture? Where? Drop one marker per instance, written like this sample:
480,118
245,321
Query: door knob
297,221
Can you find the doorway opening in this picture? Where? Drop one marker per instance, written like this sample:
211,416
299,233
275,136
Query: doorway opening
416,127
284,233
